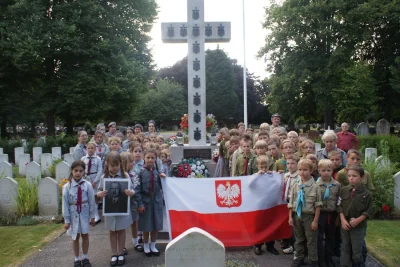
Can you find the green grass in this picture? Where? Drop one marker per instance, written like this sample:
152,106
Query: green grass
22,241
383,241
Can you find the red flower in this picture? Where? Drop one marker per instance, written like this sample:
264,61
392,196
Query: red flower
385,208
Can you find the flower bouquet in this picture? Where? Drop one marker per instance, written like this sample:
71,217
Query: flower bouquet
171,140
215,155
211,123
191,168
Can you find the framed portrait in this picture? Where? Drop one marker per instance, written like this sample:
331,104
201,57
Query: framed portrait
116,203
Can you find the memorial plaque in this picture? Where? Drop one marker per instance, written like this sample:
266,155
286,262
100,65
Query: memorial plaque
204,153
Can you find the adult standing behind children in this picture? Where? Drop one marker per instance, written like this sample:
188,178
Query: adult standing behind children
346,140
330,140
80,148
276,120
112,129
151,128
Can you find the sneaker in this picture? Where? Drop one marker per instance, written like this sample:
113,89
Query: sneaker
297,262
77,263
288,250
294,255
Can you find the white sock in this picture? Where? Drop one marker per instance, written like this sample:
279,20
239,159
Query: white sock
135,241
84,256
96,216
77,258
146,248
153,247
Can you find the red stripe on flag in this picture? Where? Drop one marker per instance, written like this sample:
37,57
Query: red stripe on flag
236,229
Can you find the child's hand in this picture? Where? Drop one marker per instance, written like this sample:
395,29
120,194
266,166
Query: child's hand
354,222
129,193
102,193
291,221
345,225
92,222
163,175
314,226
281,171
141,210
260,172
66,226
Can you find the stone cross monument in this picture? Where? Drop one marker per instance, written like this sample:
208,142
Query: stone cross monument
196,32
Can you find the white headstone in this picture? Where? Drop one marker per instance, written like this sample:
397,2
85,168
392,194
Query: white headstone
195,247
48,197
397,190
370,154
363,129
382,161
17,152
37,152
8,196
62,171
5,169
71,150
24,160
69,158
3,157
24,143
383,127
33,172
46,161
56,152
317,146
1,151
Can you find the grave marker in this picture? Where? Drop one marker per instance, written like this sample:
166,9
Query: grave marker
71,150
48,194
56,153
317,146
46,161
195,247
37,152
5,169
383,127
370,154
397,190
363,129
8,196
17,152
33,172
3,157
69,158
1,151
24,160
62,171
382,161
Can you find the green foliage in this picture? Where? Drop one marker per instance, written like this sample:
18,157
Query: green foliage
52,168
375,141
28,199
27,220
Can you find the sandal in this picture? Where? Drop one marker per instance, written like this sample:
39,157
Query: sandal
139,248
125,252
155,253
86,263
114,260
77,263
148,254
121,260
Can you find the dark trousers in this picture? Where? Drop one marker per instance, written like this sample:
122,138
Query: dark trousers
327,228
352,243
268,244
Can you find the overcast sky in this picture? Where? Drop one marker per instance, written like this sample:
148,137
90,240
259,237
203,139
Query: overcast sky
215,10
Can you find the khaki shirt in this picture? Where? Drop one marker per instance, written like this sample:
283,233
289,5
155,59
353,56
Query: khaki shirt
329,204
240,165
312,196
290,179
358,204
280,165
343,179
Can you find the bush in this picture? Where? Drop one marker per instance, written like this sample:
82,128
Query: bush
28,199
64,142
375,141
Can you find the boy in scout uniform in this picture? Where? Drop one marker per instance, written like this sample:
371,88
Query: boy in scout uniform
355,206
304,210
330,190
241,167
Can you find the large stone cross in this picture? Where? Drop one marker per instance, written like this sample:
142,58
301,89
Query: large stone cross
196,32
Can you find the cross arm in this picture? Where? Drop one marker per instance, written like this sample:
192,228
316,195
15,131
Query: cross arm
213,32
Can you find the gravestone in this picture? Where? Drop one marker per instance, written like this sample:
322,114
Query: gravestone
8,196
317,146
383,127
24,143
196,32
46,161
37,152
382,161
56,153
71,150
24,160
397,190
48,194
3,157
5,169
1,151
363,129
62,171
33,172
195,247
370,154
69,158
18,151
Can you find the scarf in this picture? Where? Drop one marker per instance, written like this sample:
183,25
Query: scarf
300,200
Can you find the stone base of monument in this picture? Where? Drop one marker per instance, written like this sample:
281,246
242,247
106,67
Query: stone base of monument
178,153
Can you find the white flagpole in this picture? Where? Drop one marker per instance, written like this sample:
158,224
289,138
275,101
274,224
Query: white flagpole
244,70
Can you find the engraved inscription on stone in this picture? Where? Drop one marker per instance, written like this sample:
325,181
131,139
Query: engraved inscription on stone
221,30
196,64
183,31
47,199
197,153
208,30
171,31
196,82
196,99
196,31
6,199
195,13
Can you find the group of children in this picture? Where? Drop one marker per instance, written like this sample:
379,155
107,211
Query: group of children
142,159
328,202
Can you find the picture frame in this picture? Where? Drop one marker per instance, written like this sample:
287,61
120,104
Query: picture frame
116,203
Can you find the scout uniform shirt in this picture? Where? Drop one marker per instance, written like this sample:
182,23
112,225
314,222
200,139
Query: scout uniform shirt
242,164
354,202
280,165
79,151
329,194
253,165
289,179
101,149
93,168
343,179
312,196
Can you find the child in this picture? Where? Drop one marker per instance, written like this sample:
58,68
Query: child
101,147
292,135
233,147
146,140
150,202
120,136
160,140
261,167
307,148
314,160
127,142
164,155
336,158
355,206
260,149
235,154
264,128
114,144
234,132
299,152
274,153
304,209
223,152
93,170
241,128
78,208
243,158
330,190
80,148
263,136
287,147
282,136
116,224
153,137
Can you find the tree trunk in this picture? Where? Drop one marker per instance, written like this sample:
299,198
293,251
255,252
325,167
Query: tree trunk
14,126
329,119
50,121
33,130
3,128
70,125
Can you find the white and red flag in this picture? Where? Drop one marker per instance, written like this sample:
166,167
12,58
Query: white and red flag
239,211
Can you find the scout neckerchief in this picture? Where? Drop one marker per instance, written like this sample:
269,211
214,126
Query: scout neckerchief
328,186
151,187
79,199
300,199
89,165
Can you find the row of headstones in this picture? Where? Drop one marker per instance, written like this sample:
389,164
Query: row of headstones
48,193
382,127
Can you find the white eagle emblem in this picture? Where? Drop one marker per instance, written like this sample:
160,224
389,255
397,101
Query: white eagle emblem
228,195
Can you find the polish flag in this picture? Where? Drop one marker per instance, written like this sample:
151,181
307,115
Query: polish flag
239,211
